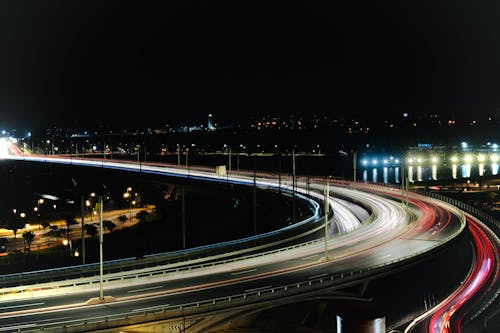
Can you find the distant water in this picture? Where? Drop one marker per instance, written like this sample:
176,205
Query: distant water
418,173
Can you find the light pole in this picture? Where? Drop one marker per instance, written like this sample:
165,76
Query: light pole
82,202
67,242
101,255
128,196
254,195
183,217
293,183
327,210
354,157
178,155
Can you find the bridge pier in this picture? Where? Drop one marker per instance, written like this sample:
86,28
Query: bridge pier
360,323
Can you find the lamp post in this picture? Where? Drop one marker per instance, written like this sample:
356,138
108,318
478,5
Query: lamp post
82,202
178,155
128,196
327,210
354,157
293,184
101,255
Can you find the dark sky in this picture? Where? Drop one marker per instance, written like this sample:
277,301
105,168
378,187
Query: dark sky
155,62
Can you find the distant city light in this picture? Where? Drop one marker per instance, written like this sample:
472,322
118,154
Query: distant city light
468,158
434,159
464,145
454,159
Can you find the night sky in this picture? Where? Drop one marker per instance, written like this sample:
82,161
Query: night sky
147,63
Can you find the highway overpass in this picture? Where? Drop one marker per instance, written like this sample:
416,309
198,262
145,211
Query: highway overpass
214,293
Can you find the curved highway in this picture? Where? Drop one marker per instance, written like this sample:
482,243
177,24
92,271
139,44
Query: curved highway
394,234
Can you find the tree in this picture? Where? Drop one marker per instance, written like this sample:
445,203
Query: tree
12,222
122,218
69,221
141,216
107,224
28,239
91,230
45,224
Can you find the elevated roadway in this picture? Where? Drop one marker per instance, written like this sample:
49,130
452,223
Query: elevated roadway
390,237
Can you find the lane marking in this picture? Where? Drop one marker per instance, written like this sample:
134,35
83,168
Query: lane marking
21,305
255,289
52,319
243,272
386,256
144,289
310,257
317,276
18,327
151,308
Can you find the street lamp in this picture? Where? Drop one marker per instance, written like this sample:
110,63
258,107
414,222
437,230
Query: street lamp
101,254
128,196
327,210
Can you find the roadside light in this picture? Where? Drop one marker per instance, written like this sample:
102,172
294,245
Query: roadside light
65,242
27,225
87,203
76,253
434,159
40,201
23,215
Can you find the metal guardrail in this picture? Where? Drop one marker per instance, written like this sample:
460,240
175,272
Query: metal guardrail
193,308
488,223
248,297
233,300
194,265
228,248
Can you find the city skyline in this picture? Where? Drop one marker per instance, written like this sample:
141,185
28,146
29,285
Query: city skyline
78,63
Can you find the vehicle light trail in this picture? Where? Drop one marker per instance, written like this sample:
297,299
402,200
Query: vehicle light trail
447,317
